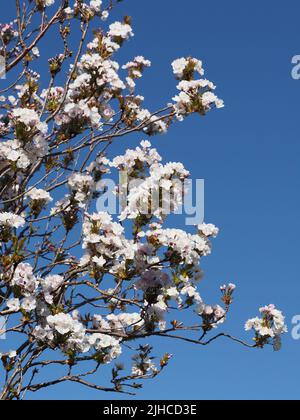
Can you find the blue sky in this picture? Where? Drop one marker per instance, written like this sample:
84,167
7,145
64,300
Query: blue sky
248,154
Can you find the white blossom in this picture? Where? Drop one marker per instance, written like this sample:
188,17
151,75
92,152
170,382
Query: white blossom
120,30
13,304
39,195
11,220
29,304
63,323
51,285
29,118
208,230
95,5
24,279
270,326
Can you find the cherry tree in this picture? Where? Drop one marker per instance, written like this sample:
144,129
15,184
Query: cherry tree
78,286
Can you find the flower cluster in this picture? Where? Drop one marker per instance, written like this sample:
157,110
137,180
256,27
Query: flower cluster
86,11
27,304
144,367
7,32
133,160
135,70
151,124
77,116
182,246
195,95
67,332
51,285
27,120
211,316
119,30
30,143
227,292
184,68
52,97
11,220
268,328
82,186
63,330
24,280
32,291
104,241
119,323
96,82
36,194
44,3
208,230
12,152
154,190
95,5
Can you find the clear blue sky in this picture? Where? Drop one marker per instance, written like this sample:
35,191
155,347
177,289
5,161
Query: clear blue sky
248,154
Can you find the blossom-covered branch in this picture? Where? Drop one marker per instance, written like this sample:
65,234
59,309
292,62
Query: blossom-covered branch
78,286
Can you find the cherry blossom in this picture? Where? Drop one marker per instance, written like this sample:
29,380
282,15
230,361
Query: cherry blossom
79,286
269,327
11,220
